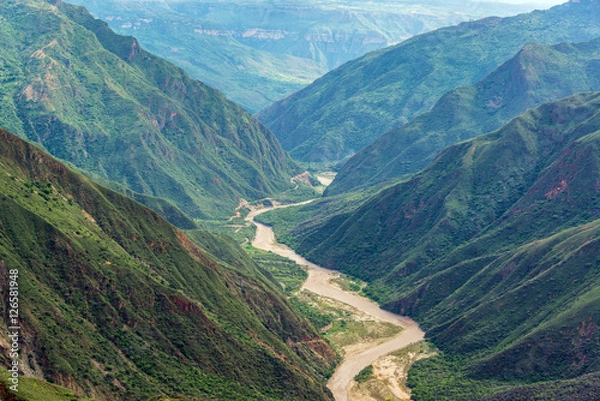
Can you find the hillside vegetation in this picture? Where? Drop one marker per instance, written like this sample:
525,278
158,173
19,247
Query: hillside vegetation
102,103
348,108
493,249
117,304
537,74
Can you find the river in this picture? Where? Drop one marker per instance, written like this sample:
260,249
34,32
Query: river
319,282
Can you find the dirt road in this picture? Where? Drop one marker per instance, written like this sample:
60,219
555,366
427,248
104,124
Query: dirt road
319,282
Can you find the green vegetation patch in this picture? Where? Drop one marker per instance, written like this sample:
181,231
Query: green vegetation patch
342,325
319,318
31,389
349,283
442,379
344,333
287,274
364,375
237,228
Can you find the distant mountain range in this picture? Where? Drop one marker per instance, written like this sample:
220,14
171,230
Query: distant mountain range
344,111
117,304
99,101
536,75
258,52
494,248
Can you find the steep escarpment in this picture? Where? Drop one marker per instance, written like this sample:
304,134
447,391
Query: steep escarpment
102,103
117,304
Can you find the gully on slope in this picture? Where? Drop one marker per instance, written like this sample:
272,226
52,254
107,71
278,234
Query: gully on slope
319,282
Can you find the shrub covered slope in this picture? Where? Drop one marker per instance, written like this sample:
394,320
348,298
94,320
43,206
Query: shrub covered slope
117,304
99,101
537,74
348,108
494,248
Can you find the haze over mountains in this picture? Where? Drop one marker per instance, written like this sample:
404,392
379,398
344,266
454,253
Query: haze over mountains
478,216
348,108
258,52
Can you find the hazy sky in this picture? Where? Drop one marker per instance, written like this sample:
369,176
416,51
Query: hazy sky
548,3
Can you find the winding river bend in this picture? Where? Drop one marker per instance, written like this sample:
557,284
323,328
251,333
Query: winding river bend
319,282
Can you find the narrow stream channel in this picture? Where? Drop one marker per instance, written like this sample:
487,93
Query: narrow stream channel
319,282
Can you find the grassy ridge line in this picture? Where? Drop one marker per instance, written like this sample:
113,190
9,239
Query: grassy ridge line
100,102
349,107
118,304
492,248
537,74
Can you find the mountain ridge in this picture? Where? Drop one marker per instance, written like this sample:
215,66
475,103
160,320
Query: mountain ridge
99,101
537,74
117,304
492,249
348,108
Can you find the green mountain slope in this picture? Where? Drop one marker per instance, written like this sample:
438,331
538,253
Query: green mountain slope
537,74
493,248
252,78
258,52
528,315
117,304
584,388
344,111
99,101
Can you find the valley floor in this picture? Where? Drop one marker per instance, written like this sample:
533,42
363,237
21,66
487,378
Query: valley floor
323,283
